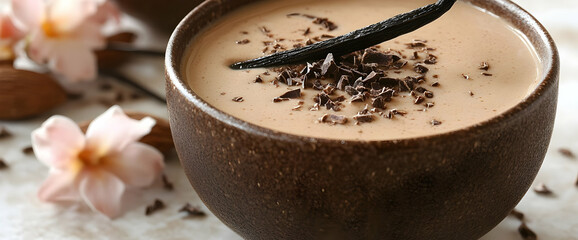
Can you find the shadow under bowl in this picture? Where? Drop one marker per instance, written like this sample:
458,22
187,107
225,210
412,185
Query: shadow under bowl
270,185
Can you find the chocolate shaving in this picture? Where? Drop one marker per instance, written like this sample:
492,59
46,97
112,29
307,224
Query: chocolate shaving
329,89
435,122
4,133
278,99
329,25
238,99
167,184
243,42
333,119
328,67
28,150
428,94
299,106
421,69
292,94
517,214
156,206
487,74
394,112
364,116
415,45
317,20
564,151
343,82
3,164
378,102
435,84
465,76
192,212
363,75
419,100
484,66
258,79
265,30
381,59
431,59
542,189
526,232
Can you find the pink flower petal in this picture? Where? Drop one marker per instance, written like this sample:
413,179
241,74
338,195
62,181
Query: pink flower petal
89,34
137,165
67,15
28,13
58,142
107,10
112,131
102,191
59,186
69,57
8,31
74,61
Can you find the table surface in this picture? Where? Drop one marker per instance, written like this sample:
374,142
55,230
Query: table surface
23,216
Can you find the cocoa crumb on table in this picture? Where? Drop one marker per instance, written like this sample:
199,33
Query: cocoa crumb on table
526,232
542,189
192,211
567,153
28,150
517,214
156,206
4,133
3,164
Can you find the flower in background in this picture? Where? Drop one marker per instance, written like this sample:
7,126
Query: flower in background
98,167
9,34
65,33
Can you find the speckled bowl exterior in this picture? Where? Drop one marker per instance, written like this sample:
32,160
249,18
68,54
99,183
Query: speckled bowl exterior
270,185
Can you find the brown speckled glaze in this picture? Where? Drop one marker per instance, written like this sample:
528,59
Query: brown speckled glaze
270,185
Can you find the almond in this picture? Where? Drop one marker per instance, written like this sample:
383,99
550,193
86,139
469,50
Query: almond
25,94
160,136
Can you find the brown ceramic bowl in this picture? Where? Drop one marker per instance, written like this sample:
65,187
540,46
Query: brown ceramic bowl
270,185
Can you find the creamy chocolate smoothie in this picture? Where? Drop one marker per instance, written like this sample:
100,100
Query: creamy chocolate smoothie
462,69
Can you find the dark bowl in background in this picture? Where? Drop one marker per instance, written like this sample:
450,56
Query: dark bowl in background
162,15
270,185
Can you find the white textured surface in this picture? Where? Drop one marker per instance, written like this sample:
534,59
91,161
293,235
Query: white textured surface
22,216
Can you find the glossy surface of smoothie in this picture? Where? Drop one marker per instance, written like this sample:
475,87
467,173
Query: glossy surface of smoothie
466,92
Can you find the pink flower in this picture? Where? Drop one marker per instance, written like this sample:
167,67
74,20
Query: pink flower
96,168
65,33
9,34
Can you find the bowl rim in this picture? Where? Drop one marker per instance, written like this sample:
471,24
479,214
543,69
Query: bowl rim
175,82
